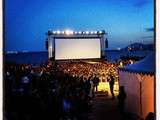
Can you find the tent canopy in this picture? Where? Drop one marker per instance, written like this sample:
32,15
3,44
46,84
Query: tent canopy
146,65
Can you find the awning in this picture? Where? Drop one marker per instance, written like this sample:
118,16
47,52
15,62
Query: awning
145,66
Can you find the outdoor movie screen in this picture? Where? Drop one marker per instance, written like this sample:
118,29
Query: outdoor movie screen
81,48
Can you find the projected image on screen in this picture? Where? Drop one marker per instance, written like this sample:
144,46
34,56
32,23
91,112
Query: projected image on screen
77,48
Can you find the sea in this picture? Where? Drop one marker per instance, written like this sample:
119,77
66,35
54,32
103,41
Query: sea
34,58
37,58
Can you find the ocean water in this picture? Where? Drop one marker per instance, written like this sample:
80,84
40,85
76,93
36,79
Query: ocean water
34,58
37,58
113,55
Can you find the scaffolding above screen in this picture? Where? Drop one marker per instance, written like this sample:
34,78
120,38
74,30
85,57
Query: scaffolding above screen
82,40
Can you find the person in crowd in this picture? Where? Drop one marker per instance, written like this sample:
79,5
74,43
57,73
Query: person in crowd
91,91
121,99
111,85
96,82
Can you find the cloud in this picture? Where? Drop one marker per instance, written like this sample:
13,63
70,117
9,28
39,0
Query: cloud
151,29
141,3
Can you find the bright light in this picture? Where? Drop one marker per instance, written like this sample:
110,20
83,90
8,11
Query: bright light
131,62
95,32
104,86
58,32
121,64
75,32
100,32
92,62
54,32
71,32
80,32
68,32
118,48
87,32
92,32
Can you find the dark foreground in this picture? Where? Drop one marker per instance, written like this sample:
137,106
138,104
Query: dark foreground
104,108
51,93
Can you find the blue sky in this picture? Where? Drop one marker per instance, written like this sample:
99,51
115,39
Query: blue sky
125,21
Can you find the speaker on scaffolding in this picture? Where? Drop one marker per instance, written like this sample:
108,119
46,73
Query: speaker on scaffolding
106,43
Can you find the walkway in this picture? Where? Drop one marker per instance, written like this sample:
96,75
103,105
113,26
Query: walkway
104,108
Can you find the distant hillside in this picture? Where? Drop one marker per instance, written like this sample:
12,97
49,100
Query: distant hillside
139,46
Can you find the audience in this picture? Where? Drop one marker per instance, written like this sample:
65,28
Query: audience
52,91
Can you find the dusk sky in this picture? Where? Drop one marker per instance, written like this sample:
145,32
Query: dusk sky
125,21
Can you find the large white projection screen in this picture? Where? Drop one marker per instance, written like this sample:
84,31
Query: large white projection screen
84,48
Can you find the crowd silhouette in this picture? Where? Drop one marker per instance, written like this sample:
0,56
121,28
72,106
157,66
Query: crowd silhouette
53,90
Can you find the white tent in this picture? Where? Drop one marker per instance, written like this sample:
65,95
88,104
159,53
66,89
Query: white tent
138,81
